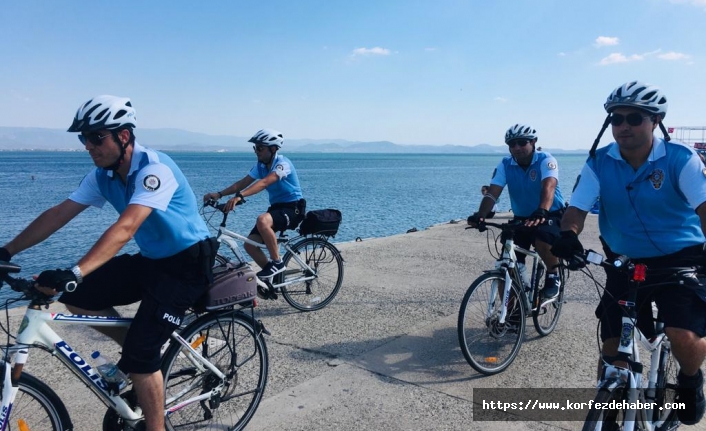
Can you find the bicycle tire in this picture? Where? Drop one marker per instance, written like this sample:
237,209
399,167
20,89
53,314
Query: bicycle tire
488,346
546,318
599,419
666,386
327,262
38,406
233,342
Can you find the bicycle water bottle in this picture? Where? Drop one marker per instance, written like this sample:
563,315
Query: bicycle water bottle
116,379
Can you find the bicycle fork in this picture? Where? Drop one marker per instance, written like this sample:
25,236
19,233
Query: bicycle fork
505,298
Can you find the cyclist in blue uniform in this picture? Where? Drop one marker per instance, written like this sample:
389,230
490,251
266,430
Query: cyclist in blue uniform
651,194
159,210
276,174
532,178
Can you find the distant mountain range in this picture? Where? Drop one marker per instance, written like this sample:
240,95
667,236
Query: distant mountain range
40,139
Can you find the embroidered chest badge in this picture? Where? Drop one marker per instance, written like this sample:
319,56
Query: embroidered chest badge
151,183
657,178
533,174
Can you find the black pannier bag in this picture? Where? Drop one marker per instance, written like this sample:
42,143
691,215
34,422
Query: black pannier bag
231,285
324,222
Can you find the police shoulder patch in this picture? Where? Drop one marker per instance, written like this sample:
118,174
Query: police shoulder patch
279,167
151,183
551,165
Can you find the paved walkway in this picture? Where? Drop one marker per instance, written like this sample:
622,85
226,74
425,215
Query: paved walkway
384,355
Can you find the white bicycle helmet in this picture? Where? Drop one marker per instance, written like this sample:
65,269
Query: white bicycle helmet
520,131
268,137
639,95
104,112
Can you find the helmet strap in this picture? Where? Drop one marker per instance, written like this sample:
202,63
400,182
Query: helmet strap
119,162
272,156
664,131
592,152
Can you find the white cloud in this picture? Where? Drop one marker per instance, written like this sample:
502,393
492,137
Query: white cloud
370,51
618,57
562,54
500,99
673,56
606,41
430,49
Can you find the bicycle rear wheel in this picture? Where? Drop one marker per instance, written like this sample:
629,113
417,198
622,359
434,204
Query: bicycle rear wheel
37,407
488,345
325,261
546,317
232,342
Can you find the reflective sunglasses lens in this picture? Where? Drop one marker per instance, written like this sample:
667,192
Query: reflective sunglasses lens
634,119
94,139
519,142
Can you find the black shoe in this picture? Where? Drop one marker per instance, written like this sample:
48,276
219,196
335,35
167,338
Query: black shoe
271,269
690,391
552,284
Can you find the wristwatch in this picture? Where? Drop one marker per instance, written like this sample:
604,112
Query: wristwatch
77,273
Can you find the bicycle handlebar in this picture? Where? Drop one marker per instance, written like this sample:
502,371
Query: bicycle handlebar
637,271
21,285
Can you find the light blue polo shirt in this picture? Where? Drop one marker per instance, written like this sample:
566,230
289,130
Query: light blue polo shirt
525,185
649,212
285,190
155,181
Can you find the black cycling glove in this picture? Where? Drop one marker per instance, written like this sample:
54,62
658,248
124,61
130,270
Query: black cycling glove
58,279
567,246
473,218
5,255
538,215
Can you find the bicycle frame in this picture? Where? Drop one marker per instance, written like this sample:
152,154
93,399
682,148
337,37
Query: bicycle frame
631,376
231,239
508,264
35,331
614,375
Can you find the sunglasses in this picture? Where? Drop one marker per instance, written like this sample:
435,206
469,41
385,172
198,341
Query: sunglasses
518,142
633,119
94,139
259,148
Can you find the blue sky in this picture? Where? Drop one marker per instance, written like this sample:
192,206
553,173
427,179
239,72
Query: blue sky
410,72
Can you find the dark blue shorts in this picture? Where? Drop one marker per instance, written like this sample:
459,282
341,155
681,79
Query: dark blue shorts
547,232
284,216
166,287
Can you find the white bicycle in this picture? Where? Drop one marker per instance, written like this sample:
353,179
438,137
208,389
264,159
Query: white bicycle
215,370
314,266
652,392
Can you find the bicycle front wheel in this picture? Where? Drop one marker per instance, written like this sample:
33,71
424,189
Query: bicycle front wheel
232,342
606,419
318,284
545,317
665,391
488,345
37,407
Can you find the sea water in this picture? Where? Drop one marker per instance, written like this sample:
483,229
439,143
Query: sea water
378,194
